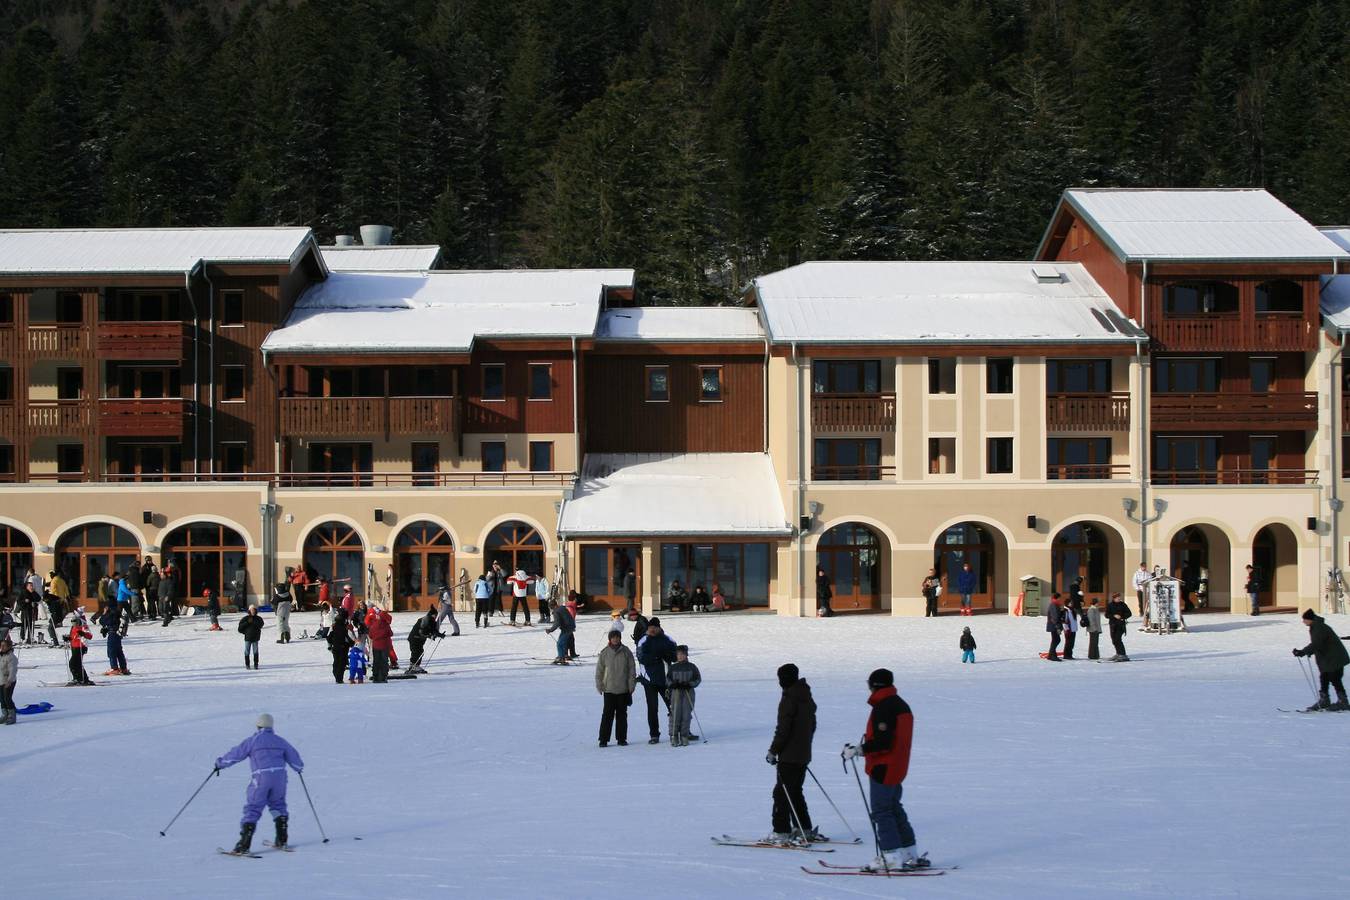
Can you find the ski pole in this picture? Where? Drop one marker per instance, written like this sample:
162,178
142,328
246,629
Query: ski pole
311,806
430,656
876,838
1306,668
831,802
166,828
703,734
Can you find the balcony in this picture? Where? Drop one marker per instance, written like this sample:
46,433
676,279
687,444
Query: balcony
419,479
1227,331
853,413
9,418
141,417
141,341
1087,412
1087,472
58,339
377,416
852,473
61,418
1236,476
1288,411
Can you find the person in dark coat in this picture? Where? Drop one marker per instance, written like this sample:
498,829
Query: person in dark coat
654,653
251,626
965,586
1327,649
423,630
566,626
929,589
213,608
790,753
639,626
1117,614
823,593
967,645
168,593
111,623
1054,624
339,642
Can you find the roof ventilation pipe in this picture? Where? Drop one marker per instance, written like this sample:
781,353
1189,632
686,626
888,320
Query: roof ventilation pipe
377,235
344,240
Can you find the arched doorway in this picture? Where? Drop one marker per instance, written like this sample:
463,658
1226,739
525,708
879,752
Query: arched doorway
851,556
207,556
966,542
424,559
1081,550
1275,556
16,558
334,550
1198,556
86,553
516,546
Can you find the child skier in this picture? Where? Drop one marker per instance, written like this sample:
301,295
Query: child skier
268,755
967,645
684,677
78,646
356,664
423,630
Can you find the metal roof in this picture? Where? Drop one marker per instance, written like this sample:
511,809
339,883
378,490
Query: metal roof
89,251
1336,288
382,258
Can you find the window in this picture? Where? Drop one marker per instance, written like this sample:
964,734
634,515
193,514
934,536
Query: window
846,459
541,456
1185,460
232,384
346,382
846,376
494,456
494,381
1186,375
6,309
1281,296
942,376
1263,374
1078,376
6,384
231,308
1201,298
1263,453
70,384
6,462
710,384
149,462
426,461
145,381
942,456
69,308
340,459
999,456
70,462
425,383
658,384
541,381
1081,457
998,375
234,458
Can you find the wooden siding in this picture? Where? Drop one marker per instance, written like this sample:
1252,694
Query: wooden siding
515,414
1074,241
619,419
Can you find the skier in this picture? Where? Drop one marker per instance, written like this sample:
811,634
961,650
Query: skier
56,614
447,611
268,756
79,635
482,600
9,679
423,630
565,625
967,646
299,580
1054,623
281,605
1118,613
684,678
1331,658
339,642
885,747
213,608
379,626
1094,628
111,621
615,680
325,620
790,752
497,581
520,589
654,653
251,626
356,664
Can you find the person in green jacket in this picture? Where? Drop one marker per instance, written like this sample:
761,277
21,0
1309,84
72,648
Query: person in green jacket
1327,649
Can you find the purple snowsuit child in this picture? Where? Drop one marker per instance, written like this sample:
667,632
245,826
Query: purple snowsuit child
268,755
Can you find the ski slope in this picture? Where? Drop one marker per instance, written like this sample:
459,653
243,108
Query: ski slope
1170,776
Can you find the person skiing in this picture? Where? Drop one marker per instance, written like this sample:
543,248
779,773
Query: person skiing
615,680
1054,624
110,623
1327,649
1094,628
212,608
482,601
298,582
885,746
339,642
380,627
9,680
967,645
790,753
56,614
423,630
251,626
79,636
684,678
1117,614
268,755
520,594
281,605
965,586
654,653
446,611
565,625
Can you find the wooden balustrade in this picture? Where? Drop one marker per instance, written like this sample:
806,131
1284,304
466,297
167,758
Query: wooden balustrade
1236,476
852,413
58,338
1235,411
1087,472
379,416
1229,331
852,473
59,417
141,417
8,342
142,340
1087,412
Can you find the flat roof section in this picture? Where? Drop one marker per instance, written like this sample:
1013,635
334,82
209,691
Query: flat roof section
693,324
382,258
96,251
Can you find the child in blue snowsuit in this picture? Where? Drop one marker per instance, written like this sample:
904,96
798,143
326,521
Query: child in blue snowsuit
967,646
268,756
356,665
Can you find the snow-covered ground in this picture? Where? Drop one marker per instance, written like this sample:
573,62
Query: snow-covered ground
1171,776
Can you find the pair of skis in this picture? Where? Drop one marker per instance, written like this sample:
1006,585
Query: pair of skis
828,868
252,855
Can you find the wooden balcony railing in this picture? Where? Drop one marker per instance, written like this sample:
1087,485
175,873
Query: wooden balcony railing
9,418
1227,331
340,416
1236,476
142,340
60,417
1087,412
336,479
58,338
852,473
1236,411
851,413
142,417
1088,472
8,342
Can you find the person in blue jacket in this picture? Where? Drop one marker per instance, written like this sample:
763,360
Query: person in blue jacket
965,586
482,601
654,653
268,755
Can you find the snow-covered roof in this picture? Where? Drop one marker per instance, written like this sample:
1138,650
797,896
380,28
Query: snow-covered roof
382,258
938,302
79,251
1200,225
371,312
1336,288
680,323
675,494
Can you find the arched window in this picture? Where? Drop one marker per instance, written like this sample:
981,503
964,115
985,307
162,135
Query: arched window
334,550
516,546
207,556
1080,551
1201,298
965,542
1280,296
86,553
424,559
850,554
16,558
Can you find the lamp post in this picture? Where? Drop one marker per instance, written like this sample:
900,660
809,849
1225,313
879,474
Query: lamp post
1131,505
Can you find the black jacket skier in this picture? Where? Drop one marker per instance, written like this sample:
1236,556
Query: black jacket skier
1327,649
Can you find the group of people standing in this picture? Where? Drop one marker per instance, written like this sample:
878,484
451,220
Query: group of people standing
1065,618
663,669
489,588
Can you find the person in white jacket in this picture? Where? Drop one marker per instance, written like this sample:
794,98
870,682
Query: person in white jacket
542,593
1137,582
1070,630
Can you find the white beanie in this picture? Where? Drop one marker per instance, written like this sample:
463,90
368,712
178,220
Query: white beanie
265,720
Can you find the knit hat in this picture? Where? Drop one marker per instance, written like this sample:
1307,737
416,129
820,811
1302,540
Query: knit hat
653,621
1309,615
265,720
880,678
787,675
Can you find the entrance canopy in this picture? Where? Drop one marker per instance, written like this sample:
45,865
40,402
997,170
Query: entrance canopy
635,494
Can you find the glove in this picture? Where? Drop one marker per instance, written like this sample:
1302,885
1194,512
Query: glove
850,751
771,758
1298,652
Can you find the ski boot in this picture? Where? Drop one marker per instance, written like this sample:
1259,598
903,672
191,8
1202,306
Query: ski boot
909,860
1323,703
886,861
812,835
280,842
245,837
782,838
